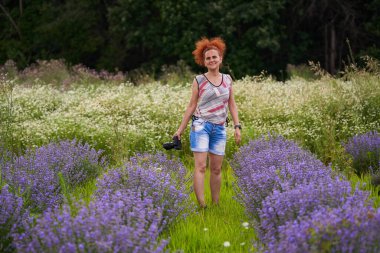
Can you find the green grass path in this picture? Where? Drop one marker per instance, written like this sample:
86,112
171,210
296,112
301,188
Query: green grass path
216,227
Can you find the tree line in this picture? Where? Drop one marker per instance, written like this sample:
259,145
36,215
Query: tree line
132,34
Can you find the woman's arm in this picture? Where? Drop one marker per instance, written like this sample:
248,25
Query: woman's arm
189,111
235,117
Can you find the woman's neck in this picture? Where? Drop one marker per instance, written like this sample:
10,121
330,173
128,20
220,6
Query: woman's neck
214,73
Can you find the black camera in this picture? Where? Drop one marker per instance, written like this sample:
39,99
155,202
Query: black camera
176,144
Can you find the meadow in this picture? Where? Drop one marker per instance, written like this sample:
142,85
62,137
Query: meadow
83,168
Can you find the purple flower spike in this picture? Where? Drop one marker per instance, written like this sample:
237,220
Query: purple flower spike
155,176
12,214
267,165
36,173
293,204
365,151
349,228
117,222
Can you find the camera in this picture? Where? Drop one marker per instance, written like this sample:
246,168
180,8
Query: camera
176,144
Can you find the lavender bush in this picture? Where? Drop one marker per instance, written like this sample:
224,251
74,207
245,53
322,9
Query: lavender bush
117,222
36,172
12,214
349,228
265,165
293,204
155,176
298,205
365,151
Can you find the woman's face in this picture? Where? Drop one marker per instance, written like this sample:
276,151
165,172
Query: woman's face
212,59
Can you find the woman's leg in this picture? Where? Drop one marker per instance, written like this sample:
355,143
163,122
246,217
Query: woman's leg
215,176
200,159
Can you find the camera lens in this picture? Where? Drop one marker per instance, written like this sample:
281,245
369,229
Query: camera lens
168,145
176,144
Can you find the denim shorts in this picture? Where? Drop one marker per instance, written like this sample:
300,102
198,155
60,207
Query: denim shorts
207,137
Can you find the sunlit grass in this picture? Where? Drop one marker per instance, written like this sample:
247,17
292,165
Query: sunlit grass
218,228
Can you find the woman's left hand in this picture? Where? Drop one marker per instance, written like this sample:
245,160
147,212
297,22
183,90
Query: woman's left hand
237,136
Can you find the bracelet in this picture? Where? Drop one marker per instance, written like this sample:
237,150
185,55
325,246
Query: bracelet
237,126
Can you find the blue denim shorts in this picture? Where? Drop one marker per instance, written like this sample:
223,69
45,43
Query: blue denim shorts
207,137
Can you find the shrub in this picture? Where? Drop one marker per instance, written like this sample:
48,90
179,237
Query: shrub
263,166
365,151
12,214
349,228
293,204
117,222
155,176
50,72
36,173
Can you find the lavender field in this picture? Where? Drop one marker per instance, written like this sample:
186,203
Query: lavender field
83,169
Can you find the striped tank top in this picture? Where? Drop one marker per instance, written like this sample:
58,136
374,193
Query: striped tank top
213,99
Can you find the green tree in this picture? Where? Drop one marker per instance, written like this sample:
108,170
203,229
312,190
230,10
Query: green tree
129,34
254,33
72,30
317,30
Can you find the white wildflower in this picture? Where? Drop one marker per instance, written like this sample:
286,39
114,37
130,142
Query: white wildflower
226,244
245,225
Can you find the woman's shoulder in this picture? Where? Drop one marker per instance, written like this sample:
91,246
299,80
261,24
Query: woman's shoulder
227,77
200,78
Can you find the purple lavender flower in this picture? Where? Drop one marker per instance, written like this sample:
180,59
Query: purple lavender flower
365,151
117,222
296,203
12,214
349,228
266,165
36,172
155,176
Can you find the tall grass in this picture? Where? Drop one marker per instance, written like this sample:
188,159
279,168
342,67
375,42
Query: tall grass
7,119
123,119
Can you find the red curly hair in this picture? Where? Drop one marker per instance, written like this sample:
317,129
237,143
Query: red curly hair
205,44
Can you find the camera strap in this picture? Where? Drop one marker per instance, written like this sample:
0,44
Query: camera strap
227,121
193,117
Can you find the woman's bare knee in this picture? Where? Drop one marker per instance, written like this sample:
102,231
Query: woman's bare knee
201,168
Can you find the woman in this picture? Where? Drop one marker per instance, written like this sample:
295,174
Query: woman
212,93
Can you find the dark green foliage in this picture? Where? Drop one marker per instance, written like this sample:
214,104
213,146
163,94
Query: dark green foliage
73,30
127,35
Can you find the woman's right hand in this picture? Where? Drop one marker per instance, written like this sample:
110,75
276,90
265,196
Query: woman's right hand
178,133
